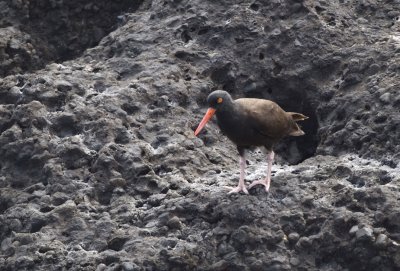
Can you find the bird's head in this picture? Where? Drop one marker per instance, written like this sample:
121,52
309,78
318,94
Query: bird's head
216,100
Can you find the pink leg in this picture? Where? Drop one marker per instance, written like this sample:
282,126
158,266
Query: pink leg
267,181
241,186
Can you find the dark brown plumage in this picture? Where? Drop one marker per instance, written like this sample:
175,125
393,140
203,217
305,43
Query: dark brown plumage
250,122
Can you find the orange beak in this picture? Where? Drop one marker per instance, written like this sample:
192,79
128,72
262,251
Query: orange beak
210,112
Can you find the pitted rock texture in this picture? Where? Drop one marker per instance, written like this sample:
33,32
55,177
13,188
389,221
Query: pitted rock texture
35,33
99,167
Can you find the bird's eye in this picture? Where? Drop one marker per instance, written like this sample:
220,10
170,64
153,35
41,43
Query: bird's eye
219,100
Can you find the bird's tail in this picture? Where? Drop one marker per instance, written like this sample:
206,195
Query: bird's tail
297,116
296,131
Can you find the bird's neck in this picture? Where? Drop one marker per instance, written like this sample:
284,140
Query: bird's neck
230,121
228,111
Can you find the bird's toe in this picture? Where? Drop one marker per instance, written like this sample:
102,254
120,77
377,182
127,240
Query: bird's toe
262,182
254,184
238,189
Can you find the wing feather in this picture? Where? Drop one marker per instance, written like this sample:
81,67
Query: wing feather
266,117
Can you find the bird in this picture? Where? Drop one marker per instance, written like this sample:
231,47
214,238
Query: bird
249,123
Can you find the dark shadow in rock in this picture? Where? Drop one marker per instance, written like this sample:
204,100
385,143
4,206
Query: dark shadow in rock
37,225
4,205
222,74
65,125
292,98
103,194
117,243
59,30
46,209
357,181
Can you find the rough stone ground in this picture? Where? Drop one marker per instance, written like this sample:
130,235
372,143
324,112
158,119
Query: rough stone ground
99,168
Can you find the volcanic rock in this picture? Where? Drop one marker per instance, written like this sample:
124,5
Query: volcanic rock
99,167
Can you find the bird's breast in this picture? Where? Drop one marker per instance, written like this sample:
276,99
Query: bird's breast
238,128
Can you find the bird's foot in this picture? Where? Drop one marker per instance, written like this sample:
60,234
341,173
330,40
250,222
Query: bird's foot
237,189
264,182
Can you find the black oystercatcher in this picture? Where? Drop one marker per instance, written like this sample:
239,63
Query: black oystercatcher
250,122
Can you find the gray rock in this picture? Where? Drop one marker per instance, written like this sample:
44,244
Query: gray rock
353,230
174,223
293,237
385,98
381,241
295,261
24,262
128,266
59,198
63,85
304,242
99,167
365,233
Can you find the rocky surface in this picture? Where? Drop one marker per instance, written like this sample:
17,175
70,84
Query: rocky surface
99,168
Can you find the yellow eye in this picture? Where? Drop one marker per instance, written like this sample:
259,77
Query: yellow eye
219,100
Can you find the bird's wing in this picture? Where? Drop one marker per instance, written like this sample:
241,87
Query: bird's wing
266,117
